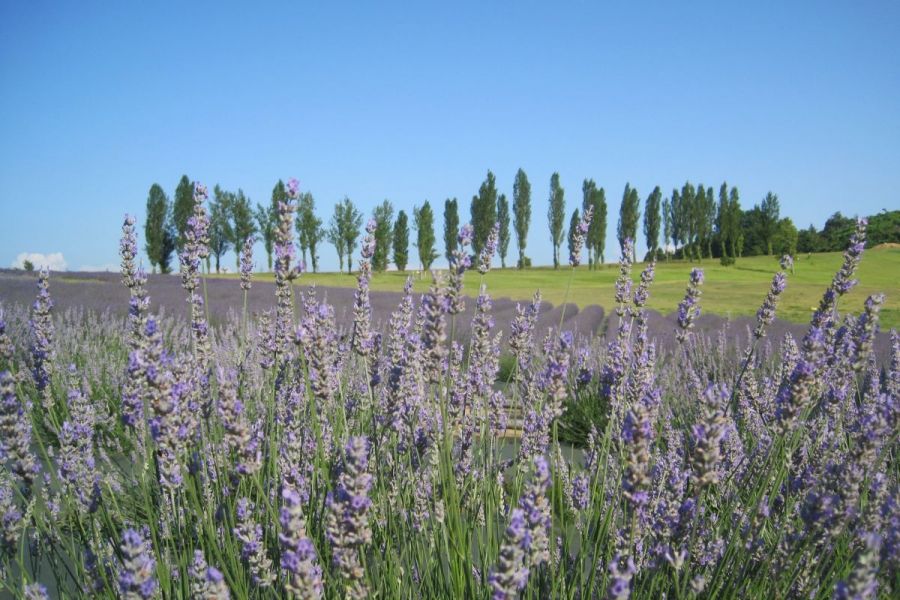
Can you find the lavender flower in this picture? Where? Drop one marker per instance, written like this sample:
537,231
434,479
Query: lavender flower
362,310
238,434
12,520
863,581
554,378
766,313
689,308
284,273
6,345
42,347
249,533
434,330
207,583
536,506
579,236
303,575
459,262
35,591
511,574
15,432
137,578
706,437
490,248
247,263
128,251
787,263
623,282
637,435
347,520
620,577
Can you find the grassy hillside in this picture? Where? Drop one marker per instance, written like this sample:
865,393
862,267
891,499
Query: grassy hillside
729,291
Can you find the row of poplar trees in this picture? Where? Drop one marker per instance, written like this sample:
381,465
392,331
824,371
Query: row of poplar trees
692,222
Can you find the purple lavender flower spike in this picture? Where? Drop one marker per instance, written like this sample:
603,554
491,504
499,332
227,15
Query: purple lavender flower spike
247,263
128,251
623,282
303,575
253,551
15,433
766,313
35,591
460,261
42,347
510,576
137,579
12,521
620,577
580,234
207,583
490,248
689,308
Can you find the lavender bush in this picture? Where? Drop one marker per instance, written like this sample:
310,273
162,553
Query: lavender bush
295,455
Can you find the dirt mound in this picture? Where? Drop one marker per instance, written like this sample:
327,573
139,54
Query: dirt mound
886,245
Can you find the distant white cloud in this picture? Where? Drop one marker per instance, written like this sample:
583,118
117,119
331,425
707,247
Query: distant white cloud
108,267
53,261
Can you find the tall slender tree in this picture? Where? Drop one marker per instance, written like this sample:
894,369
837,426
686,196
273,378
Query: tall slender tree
242,226
309,228
401,241
350,229
423,219
734,217
220,232
629,217
484,212
384,220
160,239
667,225
596,236
266,219
451,226
573,230
522,213
651,221
556,216
688,222
676,217
182,209
770,217
503,220
335,233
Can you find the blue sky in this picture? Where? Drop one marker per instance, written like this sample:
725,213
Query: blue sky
412,102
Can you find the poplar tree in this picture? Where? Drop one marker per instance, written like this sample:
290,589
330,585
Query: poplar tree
573,230
182,209
384,218
556,215
220,233
423,220
595,241
503,220
651,221
629,215
483,212
770,217
451,226
267,217
521,213
309,228
667,225
401,241
158,235
241,226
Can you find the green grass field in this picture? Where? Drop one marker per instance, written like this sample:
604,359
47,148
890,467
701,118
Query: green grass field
728,291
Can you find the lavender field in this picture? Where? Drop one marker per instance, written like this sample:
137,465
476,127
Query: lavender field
168,437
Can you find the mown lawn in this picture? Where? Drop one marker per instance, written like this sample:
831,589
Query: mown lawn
729,291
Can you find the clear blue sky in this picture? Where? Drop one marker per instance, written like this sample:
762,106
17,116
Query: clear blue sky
406,102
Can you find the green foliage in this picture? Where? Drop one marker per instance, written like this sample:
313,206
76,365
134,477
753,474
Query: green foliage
629,215
556,215
484,212
423,221
242,225
884,228
384,218
309,229
401,241
266,219
652,219
160,239
573,228
28,266
182,209
595,241
220,230
667,225
503,237
785,239
343,231
521,213
769,220
451,226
